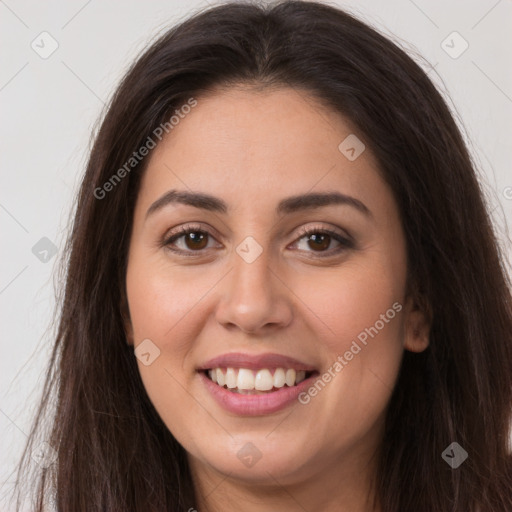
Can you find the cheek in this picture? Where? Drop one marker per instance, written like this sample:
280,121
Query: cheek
162,302
361,302
162,298
360,317
167,305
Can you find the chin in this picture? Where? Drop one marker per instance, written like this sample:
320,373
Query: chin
258,460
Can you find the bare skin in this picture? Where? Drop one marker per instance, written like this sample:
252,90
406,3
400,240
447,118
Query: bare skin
306,300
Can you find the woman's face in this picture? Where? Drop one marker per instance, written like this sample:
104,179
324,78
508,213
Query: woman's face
317,322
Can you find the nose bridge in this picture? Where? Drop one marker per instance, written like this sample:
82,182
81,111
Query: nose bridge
254,296
252,273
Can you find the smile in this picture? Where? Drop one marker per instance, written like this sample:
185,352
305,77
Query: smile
255,384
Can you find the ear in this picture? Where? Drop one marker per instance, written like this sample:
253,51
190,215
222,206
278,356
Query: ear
417,323
125,315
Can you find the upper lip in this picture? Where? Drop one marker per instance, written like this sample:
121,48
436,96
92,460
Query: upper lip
255,361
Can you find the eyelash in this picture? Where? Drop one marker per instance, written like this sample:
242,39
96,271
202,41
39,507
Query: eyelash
345,243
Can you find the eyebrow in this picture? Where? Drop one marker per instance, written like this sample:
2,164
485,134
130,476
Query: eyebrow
289,205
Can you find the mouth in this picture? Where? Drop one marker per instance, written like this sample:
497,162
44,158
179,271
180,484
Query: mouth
255,384
263,381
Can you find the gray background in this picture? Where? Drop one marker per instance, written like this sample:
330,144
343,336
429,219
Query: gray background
49,107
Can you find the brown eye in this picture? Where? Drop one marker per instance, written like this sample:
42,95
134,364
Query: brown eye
319,241
195,240
189,239
192,239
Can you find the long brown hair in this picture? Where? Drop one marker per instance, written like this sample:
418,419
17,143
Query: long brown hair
113,451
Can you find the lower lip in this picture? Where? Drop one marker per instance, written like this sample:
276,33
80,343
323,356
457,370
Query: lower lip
256,405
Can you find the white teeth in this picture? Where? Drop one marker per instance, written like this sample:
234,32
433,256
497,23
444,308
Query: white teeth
231,378
263,380
221,379
279,378
246,380
290,377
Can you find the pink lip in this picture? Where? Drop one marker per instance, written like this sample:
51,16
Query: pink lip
255,362
256,405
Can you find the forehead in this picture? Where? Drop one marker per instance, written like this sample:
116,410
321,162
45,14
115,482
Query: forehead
245,145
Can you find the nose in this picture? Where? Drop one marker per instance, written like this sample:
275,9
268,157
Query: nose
254,298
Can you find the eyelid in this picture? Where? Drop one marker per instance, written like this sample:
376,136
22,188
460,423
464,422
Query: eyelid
305,230
189,226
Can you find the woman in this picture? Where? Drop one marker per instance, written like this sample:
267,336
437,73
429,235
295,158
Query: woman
283,288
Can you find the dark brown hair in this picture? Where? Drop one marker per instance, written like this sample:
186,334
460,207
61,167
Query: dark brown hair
114,451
